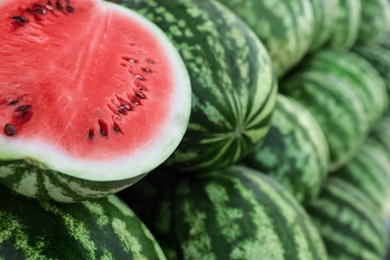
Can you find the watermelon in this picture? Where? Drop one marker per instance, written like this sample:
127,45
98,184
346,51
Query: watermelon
105,228
295,152
369,171
285,26
123,73
325,13
348,223
385,41
379,57
363,78
233,84
380,133
375,20
234,213
335,106
347,24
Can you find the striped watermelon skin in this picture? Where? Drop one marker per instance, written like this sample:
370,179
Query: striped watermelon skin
235,213
295,151
285,26
234,87
348,223
31,180
98,229
325,12
345,126
346,30
375,21
369,171
379,57
380,134
363,78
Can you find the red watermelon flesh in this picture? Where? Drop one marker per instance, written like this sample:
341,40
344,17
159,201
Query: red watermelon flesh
88,87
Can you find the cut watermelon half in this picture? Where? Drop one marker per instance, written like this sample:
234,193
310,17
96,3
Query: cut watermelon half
93,96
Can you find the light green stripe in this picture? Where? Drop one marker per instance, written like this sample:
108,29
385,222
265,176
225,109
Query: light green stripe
257,247
12,228
75,228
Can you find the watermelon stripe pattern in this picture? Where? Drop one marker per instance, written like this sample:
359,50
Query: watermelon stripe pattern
325,12
379,57
285,27
97,229
358,73
375,21
369,171
348,223
234,89
235,213
40,183
346,29
380,134
295,151
345,126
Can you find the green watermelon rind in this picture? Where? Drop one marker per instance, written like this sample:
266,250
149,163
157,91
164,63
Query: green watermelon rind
286,28
295,151
345,126
235,213
348,222
369,171
97,229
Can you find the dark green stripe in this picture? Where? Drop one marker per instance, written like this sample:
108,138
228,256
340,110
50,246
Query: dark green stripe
320,215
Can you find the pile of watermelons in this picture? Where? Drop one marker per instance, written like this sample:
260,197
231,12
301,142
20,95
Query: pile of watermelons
286,154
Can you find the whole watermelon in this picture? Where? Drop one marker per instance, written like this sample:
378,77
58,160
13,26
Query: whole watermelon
234,213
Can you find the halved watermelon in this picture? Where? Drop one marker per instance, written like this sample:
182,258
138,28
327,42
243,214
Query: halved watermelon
93,96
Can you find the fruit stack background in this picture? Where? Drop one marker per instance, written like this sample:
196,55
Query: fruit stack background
303,174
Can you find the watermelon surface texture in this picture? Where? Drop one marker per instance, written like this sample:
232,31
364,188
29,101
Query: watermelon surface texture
286,28
348,223
358,73
234,213
93,97
105,228
380,133
295,151
347,24
369,171
233,84
335,106
379,57
325,14
375,21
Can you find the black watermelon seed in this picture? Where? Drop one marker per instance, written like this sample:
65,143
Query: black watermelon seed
58,5
140,95
116,128
23,108
90,134
125,107
70,9
9,129
146,70
20,19
103,133
13,102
